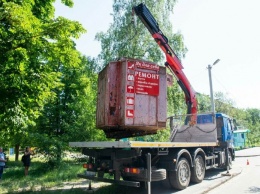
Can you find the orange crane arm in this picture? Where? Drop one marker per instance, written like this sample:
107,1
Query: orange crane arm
172,61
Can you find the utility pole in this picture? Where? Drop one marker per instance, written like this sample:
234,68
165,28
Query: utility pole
210,85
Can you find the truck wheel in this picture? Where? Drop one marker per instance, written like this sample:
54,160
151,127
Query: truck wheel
229,160
233,155
198,171
180,179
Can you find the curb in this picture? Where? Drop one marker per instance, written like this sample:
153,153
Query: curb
221,182
248,156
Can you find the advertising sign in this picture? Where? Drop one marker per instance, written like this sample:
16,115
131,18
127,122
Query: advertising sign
147,83
144,82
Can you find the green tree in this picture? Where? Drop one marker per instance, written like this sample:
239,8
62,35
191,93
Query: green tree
71,115
253,121
175,101
33,45
254,116
204,104
223,104
124,39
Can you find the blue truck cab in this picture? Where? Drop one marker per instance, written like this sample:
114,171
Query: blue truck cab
225,128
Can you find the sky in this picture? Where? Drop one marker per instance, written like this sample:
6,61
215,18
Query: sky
228,30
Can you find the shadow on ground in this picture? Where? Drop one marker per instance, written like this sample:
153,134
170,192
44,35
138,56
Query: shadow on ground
72,188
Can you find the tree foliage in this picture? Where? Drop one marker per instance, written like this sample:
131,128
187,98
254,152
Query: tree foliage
253,124
71,115
126,38
33,46
175,101
204,104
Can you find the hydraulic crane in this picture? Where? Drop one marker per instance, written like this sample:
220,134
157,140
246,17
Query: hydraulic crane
172,61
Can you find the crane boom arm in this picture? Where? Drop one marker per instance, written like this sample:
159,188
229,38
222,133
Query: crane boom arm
172,61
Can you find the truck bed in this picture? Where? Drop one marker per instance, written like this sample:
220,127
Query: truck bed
140,144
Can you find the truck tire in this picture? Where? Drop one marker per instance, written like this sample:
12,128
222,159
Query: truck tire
233,155
198,171
229,160
180,179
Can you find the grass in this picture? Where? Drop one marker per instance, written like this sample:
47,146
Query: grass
41,176
42,179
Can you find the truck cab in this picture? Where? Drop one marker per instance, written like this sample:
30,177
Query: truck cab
225,127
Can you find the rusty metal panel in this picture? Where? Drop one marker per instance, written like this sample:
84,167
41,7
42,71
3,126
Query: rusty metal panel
107,96
112,110
131,98
101,98
145,110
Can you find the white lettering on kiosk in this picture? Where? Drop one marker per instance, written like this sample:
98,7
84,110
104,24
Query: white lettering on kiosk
147,83
146,75
145,65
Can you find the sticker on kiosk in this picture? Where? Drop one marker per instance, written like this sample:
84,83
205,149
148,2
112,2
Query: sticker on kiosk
130,100
130,89
130,113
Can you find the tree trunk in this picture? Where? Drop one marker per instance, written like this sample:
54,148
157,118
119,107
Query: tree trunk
17,146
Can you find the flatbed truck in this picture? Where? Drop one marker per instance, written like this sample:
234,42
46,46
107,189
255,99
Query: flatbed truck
199,143
173,163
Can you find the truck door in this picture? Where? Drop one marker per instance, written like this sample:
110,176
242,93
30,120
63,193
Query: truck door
224,128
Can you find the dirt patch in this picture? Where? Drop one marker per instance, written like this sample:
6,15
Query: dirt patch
66,186
82,184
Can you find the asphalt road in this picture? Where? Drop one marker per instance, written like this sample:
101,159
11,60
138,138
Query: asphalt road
247,182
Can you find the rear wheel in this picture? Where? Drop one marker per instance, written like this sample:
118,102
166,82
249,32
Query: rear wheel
224,165
198,171
180,178
229,160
